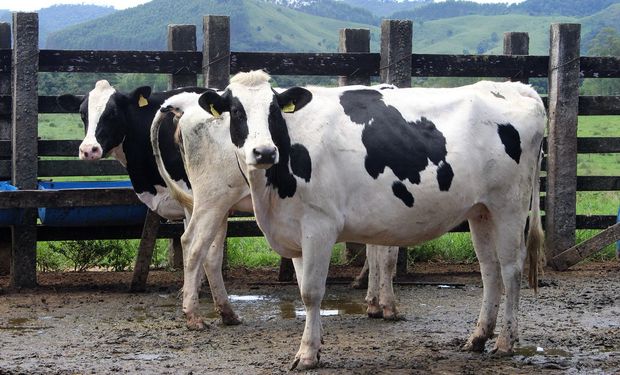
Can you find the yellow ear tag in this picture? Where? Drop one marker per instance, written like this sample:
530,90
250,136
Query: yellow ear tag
289,108
142,102
214,112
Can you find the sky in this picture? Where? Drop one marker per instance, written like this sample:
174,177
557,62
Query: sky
32,5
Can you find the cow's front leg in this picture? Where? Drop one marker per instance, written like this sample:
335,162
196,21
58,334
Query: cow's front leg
316,250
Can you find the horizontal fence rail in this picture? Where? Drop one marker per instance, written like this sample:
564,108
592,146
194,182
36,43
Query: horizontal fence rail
322,64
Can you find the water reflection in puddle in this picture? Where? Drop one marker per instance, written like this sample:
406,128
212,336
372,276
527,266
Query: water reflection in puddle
265,307
530,351
21,324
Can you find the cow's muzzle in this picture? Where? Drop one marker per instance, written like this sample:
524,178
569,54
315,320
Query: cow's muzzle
90,152
264,156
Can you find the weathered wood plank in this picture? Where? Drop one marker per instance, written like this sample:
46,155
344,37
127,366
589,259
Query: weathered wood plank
24,71
54,168
426,65
599,105
67,198
576,254
598,145
590,183
145,252
171,62
182,38
562,137
320,64
396,44
517,43
599,67
216,51
354,40
5,133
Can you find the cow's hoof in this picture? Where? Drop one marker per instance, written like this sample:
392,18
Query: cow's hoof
499,353
231,320
374,312
474,345
195,323
305,364
392,314
359,283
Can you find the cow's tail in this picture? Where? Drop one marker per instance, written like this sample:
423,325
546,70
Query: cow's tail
535,235
176,191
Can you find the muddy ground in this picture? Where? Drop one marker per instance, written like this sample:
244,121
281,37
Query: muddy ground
82,323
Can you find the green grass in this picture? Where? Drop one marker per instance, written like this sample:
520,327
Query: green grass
66,126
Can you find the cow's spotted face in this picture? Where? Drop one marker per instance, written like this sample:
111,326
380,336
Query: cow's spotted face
99,117
103,112
258,129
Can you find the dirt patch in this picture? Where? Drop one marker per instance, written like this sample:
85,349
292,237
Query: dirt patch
89,323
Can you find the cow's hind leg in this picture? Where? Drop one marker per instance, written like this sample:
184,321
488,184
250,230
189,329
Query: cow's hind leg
484,237
373,308
511,253
388,256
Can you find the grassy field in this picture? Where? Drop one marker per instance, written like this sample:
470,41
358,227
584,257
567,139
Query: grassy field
452,247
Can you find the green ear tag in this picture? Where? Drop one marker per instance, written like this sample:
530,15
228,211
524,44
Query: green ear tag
214,112
142,102
289,108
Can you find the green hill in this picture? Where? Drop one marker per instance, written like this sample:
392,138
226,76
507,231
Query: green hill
255,26
59,17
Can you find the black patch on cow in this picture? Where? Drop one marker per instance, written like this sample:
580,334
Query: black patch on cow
400,191
498,95
511,140
300,162
391,141
238,123
279,176
444,176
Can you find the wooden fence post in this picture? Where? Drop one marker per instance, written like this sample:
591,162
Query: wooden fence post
5,134
560,201
145,252
354,40
181,38
395,68
396,43
216,51
24,114
517,43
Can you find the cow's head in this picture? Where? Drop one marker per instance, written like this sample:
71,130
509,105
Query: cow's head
104,113
256,123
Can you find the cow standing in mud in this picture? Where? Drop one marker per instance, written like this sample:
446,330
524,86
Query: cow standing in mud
218,186
391,167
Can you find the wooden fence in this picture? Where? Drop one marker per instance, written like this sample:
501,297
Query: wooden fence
20,104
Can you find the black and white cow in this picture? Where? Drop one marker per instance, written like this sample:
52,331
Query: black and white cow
118,124
392,167
218,186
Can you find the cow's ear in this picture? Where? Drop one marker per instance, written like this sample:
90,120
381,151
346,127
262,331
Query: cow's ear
214,103
293,99
69,102
140,96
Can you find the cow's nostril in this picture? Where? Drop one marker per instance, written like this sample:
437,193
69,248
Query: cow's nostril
95,149
86,154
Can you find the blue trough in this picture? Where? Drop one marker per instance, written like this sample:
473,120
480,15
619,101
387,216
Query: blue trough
9,216
91,215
